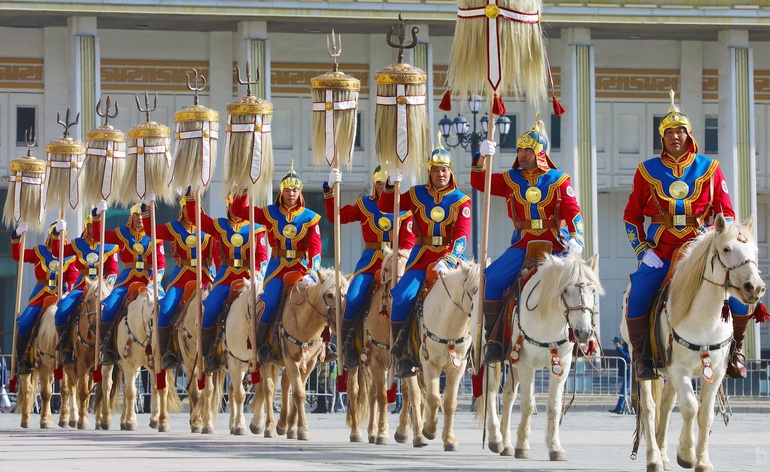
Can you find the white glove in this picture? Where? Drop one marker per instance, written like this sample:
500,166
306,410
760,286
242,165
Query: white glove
574,247
101,207
308,279
335,176
487,148
23,227
395,176
149,197
61,226
651,259
441,268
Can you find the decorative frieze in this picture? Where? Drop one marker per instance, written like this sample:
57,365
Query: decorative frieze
21,73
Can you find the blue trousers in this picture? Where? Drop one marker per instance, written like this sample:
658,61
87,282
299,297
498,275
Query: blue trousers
213,304
647,280
27,319
271,298
356,295
111,304
503,272
65,307
167,305
404,293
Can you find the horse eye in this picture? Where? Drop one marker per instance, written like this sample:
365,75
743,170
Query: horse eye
726,249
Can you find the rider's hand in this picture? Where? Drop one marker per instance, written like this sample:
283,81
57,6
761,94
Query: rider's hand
487,148
61,225
441,268
308,279
101,207
574,247
23,227
652,259
335,176
395,176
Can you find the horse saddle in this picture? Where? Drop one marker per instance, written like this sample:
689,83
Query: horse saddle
660,348
189,290
48,301
290,279
357,331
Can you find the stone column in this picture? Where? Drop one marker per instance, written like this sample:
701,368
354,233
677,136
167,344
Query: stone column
84,72
220,93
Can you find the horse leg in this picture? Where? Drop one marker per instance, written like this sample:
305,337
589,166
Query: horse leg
163,421
273,429
46,390
487,404
378,390
526,377
195,399
404,418
415,410
510,391
433,397
648,405
688,406
298,394
237,398
282,428
84,395
667,400
128,418
708,393
352,414
64,409
71,377
209,404
258,409
453,377
553,410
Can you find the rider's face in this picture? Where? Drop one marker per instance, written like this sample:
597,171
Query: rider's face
675,141
527,158
290,196
439,177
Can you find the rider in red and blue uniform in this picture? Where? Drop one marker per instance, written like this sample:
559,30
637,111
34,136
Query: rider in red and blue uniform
234,244
540,200
45,258
85,250
377,230
441,222
679,191
295,238
135,252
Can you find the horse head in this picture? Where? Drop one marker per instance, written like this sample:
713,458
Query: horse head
387,263
465,277
323,295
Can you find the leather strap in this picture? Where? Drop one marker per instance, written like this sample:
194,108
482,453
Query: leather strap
235,263
379,245
432,241
669,220
289,253
537,224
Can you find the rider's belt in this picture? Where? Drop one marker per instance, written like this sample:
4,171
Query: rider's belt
90,271
187,262
379,245
48,282
288,253
675,220
235,263
139,265
537,224
432,241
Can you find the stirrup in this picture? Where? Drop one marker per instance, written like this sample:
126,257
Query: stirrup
645,370
493,352
170,360
211,364
109,357
23,368
265,354
65,357
406,368
736,367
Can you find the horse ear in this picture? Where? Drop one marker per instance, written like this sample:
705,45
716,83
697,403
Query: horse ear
750,223
593,262
720,223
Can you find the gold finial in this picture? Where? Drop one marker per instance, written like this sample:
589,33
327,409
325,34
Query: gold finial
30,133
67,123
401,38
200,84
146,110
335,50
248,82
106,113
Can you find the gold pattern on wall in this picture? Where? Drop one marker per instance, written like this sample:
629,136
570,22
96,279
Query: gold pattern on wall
635,83
290,78
153,76
21,73
710,84
761,85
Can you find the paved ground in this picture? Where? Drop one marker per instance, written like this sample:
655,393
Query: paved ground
594,440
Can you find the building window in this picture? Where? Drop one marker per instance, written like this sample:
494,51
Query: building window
555,134
359,125
657,145
512,138
711,146
26,120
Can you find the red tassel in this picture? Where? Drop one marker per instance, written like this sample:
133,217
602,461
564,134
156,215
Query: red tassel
591,347
477,383
202,382
760,314
160,380
12,385
97,374
326,335
392,393
572,336
498,106
726,311
446,101
248,344
255,377
58,373
558,109
342,382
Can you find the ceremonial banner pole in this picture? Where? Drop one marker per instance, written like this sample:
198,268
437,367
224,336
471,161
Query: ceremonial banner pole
249,145
402,131
335,108
25,201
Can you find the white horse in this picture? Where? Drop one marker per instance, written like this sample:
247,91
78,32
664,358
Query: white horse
445,322
720,262
560,297
133,338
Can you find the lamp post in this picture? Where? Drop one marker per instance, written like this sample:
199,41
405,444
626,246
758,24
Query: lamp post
472,141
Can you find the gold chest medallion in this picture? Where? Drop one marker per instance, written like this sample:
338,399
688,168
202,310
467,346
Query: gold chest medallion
678,189
533,195
236,240
384,223
289,231
138,248
437,214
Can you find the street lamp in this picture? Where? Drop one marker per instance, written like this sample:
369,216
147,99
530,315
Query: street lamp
471,140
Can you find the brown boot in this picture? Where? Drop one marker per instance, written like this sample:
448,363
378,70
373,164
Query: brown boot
638,329
109,354
23,364
398,339
493,349
264,351
167,354
349,353
63,345
736,368
211,362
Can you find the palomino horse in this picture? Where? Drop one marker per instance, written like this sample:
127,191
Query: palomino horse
444,321
307,310
45,360
558,301
367,383
720,262
134,343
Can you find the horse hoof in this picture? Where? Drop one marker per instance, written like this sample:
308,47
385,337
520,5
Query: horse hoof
496,447
164,428
685,464
451,447
123,426
98,427
207,430
81,426
358,438
239,431
419,442
154,424
507,451
372,439
291,434
400,438
428,436
557,456
303,435
521,453
130,427
63,424
281,430
72,424
195,429
704,468
256,429
655,468
270,433
382,441
46,425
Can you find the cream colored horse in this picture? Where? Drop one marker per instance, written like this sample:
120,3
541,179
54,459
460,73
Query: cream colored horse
306,312
444,323
719,263
367,383
561,296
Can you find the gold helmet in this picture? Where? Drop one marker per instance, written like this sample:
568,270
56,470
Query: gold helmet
136,208
676,119
537,140
291,179
440,157
379,175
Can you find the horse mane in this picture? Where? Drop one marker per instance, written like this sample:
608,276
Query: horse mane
558,273
326,281
473,277
687,278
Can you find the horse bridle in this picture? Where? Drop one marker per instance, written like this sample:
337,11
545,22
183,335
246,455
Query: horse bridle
326,316
567,309
132,338
727,284
465,293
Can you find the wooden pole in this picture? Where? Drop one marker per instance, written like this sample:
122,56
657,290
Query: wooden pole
60,275
158,361
198,284
100,272
17,312
337,257
394,275
252,274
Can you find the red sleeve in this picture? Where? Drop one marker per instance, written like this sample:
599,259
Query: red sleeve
71,275
721,203
500,187
161,255
111,265
463,224
109,235
261,249
216,254
207,223
569,205
313,244
348,213
405,234
634,212
388,199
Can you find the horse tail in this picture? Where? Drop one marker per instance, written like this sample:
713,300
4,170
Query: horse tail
495,371
173,402
656,387
218,384
115,390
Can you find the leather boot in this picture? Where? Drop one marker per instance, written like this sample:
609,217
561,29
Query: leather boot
63,345
638,329
109,354
398,341
736,368
23,364
349,353
264,351
211,363
493,349
170,359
